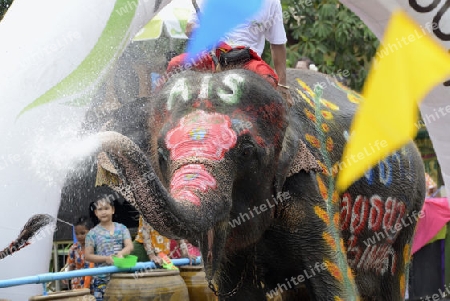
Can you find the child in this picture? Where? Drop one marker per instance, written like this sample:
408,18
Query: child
76,260
104,240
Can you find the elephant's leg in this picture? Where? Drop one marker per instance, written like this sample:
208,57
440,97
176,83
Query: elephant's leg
315,228
388,268
325,276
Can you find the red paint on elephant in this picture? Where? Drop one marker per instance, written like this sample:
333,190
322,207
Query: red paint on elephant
189,180
201,134
381,219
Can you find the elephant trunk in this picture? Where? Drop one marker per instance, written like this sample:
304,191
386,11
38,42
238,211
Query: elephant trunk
183,216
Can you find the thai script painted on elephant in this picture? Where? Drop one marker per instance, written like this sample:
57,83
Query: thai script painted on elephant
385,168
243,217
405,222
373,215
182,90
377,258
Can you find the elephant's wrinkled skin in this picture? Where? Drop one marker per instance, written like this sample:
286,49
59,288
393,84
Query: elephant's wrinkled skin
226,166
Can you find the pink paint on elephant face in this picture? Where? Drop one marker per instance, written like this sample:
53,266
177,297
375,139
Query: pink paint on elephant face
189,180
201,134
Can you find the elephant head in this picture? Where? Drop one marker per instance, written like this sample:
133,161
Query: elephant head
218,147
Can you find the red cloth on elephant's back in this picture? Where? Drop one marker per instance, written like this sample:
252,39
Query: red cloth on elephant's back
205,63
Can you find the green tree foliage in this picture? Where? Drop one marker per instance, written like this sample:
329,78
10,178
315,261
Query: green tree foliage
4,5
332,36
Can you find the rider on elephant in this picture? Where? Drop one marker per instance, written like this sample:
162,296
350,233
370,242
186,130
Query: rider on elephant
244,46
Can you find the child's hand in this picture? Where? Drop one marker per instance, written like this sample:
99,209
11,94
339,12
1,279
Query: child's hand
119,255
109,260
156,259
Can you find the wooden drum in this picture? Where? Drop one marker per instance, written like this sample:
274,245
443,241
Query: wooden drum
73,295
195,279
147,286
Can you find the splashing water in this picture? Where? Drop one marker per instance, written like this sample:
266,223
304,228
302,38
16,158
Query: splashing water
53,157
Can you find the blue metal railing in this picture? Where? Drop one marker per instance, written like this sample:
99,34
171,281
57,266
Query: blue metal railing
47,277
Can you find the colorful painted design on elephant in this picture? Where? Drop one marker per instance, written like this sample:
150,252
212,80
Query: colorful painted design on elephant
204,136
406,261
309,95
352,96
189,180
382,220
323,142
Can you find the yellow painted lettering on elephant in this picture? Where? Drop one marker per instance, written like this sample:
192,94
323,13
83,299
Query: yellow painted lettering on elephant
234,82
180,88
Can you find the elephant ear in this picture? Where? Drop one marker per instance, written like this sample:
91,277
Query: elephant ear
295,156
107,175
303,160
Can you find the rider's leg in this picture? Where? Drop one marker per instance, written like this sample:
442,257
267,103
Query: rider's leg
262,68
181,63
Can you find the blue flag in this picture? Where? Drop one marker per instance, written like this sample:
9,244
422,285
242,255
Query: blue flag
217,18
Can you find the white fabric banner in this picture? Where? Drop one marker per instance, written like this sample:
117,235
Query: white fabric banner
433,17
52,53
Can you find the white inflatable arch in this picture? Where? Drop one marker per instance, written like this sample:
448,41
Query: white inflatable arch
53,53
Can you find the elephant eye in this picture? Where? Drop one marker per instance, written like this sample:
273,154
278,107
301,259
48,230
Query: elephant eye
162,155
247,150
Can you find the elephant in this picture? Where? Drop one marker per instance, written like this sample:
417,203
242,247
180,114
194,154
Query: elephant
229,166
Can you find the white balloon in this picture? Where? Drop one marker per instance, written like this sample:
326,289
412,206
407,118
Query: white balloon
44,43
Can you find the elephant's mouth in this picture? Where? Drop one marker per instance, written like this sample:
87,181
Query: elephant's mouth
212,244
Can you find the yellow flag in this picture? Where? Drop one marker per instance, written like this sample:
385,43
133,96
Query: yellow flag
407,66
